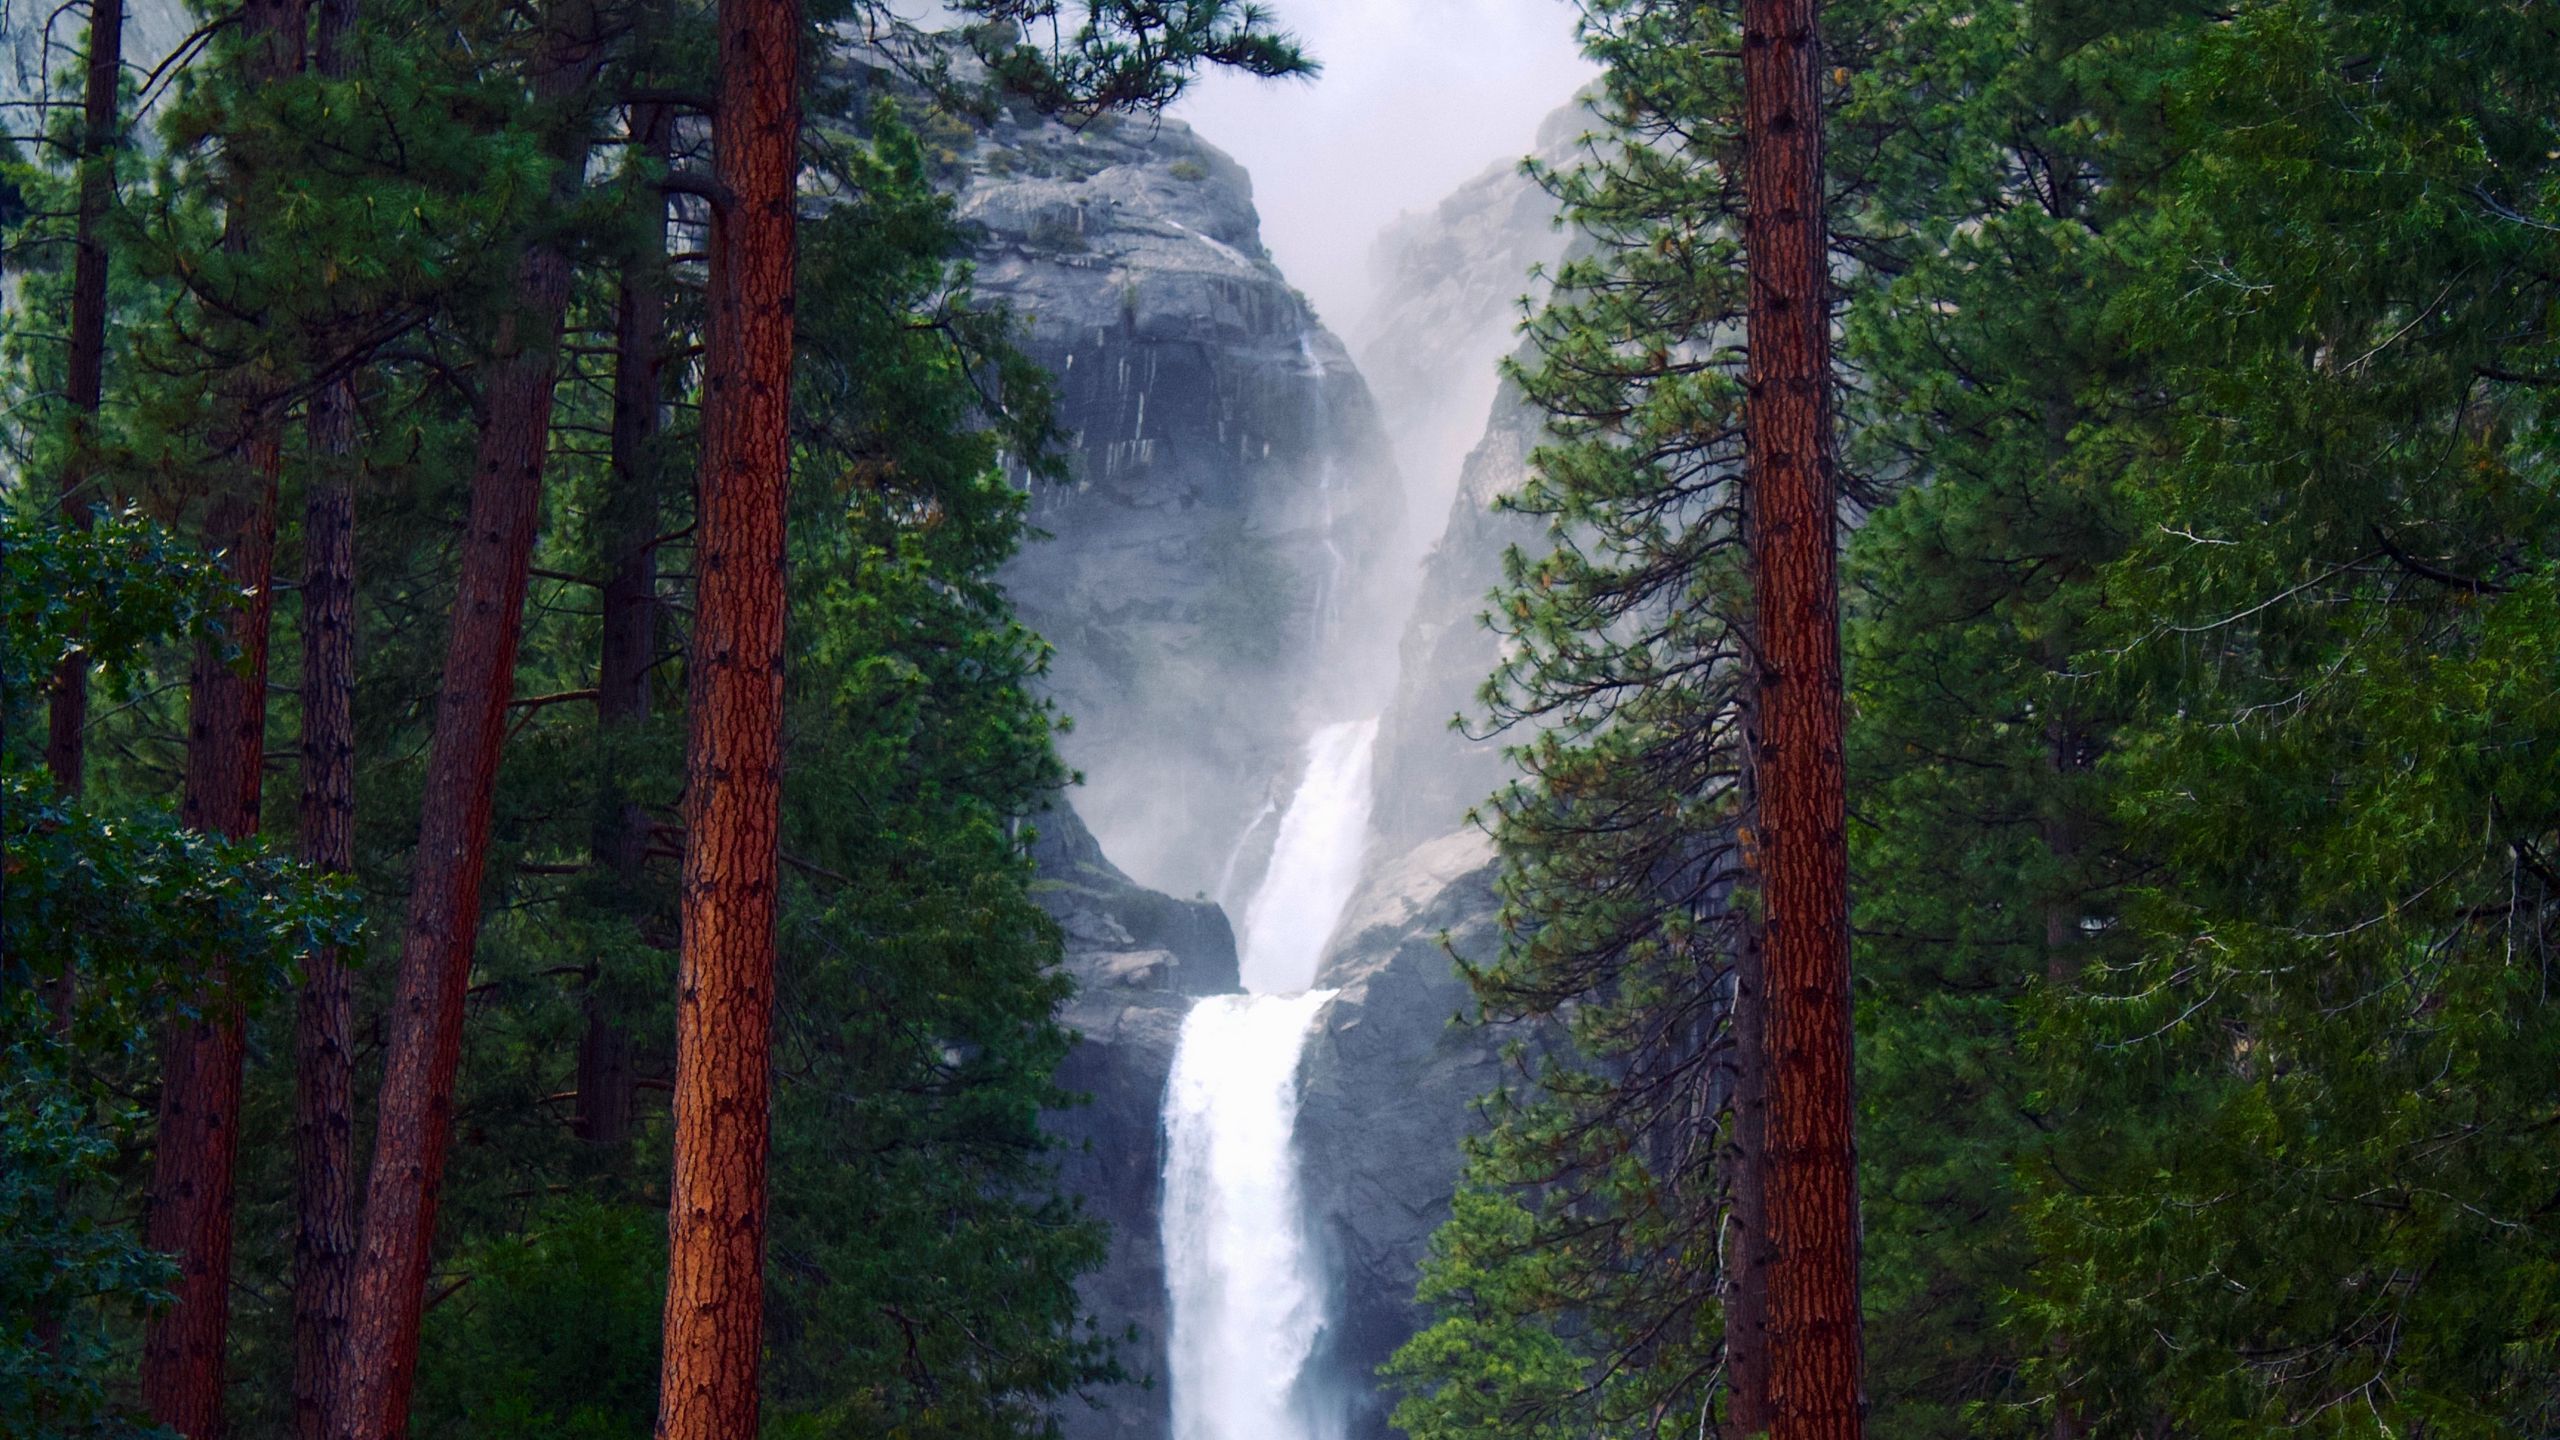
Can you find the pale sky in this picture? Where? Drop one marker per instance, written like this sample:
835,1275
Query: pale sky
1416,97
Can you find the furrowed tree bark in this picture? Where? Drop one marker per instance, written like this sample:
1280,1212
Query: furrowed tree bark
630,618
324,1245
733,770
1815,1348
193,1166
198,1141
67,717
415,1122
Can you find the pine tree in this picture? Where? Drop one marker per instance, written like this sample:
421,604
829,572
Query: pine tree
198,1135
733,750
714,1337
414,1132
101,119
1798,843
2335,616
1624,1221
1985,860
324,1028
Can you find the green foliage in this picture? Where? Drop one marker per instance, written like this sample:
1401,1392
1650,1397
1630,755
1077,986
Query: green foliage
1984,855
1126,54
108,918
554,1330
107,592
1482,1275
1596,1232
2336,618
68,1278
924,1268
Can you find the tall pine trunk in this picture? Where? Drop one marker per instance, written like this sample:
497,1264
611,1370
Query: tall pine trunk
198,1137
324,1069
415,1123
630,619
1809,1170
324,1246
733,750
67,717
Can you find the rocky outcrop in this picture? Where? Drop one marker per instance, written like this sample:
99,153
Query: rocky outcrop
1390,1084
1228,479
1139,958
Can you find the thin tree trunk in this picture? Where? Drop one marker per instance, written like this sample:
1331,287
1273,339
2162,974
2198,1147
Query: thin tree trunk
324,1066
198,1139
733,770
65,748
324,1246
630,620
415,1125
1814,1339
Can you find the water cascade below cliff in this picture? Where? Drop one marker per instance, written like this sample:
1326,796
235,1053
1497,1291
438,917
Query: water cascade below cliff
1247,1294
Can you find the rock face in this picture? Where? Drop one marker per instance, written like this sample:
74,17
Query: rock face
1435,758
1139,958
1389,1087
1457,276
1229,479
1452,281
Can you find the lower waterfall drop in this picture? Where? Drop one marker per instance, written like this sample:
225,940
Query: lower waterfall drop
1247,1295
1247,1302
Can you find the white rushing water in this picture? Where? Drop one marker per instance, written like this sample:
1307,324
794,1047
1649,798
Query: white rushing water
1314,863
1248,1297
1247,1302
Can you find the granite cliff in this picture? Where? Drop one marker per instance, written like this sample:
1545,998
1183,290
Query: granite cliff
1229,481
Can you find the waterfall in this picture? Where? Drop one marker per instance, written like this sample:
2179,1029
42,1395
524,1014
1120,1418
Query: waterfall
1247,1296
1314,863
1247,1303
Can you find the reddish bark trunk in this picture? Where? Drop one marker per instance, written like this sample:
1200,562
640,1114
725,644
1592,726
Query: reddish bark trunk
1810,1167
198,1142
733,770
415,1125
324,1248
192,1168
630,620
324,1069
65,748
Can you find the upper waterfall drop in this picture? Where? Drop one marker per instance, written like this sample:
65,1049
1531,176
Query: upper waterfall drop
1315,862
